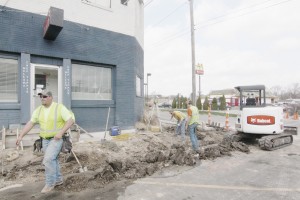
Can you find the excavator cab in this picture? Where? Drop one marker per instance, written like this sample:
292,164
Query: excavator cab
252,96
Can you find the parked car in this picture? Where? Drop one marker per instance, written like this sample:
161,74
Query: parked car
165,105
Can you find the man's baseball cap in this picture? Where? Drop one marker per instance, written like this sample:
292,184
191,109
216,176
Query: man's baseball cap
45,93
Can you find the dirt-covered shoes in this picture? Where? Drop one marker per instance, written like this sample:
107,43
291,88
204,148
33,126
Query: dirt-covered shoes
47,189
58,183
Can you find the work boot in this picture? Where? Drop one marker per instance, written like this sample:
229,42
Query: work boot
59,183
201,151
196,155
47,189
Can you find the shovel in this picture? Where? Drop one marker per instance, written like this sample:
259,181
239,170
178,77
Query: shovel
104,139
81,169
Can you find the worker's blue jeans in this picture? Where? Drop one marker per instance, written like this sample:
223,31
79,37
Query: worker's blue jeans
52,149
193,137
181,129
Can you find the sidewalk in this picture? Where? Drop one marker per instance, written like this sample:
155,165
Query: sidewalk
98,136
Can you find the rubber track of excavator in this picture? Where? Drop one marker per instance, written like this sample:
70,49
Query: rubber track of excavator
269,142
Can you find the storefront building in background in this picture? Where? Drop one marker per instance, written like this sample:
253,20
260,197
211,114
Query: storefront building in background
88,53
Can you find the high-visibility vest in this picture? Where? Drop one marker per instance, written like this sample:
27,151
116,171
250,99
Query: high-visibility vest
179,115
195,115
54,123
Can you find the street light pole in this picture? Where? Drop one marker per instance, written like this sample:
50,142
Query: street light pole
148,74
145,91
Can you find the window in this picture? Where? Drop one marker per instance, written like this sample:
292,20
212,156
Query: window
8,80
138,87
91,83
40,79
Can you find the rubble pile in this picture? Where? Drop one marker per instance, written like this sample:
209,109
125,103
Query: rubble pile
134,156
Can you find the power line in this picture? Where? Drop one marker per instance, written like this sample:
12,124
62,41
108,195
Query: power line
236,10
247,13
1,9
180,34
169,14
147,3
5,3
175,36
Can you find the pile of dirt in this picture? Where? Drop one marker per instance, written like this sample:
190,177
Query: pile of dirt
127,156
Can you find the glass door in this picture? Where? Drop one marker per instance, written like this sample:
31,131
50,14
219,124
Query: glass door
45,77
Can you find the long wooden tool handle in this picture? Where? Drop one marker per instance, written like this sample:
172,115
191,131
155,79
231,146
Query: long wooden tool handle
107,122
76,158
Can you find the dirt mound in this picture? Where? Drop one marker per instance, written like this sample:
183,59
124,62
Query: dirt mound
127,156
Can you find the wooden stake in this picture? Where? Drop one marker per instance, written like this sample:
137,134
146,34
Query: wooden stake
3,138
21,142
2,151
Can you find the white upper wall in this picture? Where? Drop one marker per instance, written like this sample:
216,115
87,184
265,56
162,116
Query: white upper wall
105,14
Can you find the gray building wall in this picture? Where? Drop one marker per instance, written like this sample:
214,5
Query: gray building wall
22,34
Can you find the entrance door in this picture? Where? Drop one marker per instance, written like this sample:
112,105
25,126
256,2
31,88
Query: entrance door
45,77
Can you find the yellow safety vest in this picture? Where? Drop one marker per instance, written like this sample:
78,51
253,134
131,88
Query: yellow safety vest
54,123
195,115
179,115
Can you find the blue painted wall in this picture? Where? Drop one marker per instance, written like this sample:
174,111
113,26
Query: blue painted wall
22,34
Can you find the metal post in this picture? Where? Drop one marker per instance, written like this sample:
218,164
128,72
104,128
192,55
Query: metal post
145,91
147,88
199,87
148,74
193,53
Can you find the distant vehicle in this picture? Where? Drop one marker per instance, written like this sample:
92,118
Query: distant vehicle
165,105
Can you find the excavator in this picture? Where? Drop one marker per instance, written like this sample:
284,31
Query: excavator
257,119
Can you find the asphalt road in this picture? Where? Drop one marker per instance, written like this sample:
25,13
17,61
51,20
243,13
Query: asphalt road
262,175
165,116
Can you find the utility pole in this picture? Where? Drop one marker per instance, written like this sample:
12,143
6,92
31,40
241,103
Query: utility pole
193,53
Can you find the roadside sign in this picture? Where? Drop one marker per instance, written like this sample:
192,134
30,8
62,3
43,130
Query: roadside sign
199,69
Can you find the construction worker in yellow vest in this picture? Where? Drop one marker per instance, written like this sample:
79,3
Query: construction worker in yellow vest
54,120
192,123
181,121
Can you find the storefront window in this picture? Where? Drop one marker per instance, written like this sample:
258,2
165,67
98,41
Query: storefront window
138,87
8,80
91,83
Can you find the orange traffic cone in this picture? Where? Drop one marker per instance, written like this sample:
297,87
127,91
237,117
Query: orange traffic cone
227,120
286,114
209,116
296,116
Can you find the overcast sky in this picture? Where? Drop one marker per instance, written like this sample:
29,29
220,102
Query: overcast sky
239,42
